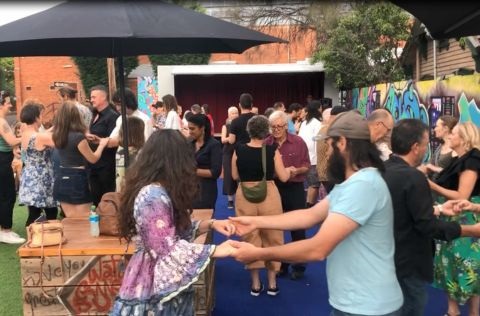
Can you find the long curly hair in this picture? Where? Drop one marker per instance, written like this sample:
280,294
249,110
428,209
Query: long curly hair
166,158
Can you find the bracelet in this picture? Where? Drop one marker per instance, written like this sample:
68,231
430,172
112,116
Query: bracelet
210,223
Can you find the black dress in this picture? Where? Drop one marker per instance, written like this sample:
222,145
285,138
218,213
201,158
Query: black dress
209,156
229,185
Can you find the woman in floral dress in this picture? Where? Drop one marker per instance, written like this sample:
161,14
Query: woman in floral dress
155,214
457,263
36,181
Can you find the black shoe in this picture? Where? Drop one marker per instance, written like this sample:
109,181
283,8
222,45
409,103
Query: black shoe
256,292
273,291
296,275
230,204
21,204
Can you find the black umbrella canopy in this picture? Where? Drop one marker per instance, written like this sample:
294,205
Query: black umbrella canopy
124,28
445,19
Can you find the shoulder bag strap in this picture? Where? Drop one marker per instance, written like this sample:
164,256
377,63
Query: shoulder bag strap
264,161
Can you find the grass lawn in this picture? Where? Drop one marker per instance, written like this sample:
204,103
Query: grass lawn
11,288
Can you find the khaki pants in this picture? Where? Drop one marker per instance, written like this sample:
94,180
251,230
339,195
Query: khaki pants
272,205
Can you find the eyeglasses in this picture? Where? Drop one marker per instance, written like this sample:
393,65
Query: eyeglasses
388,129
278,126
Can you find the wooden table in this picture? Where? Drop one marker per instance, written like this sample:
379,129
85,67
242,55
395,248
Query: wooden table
92,273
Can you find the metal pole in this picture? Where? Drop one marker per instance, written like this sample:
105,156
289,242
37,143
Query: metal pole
121,80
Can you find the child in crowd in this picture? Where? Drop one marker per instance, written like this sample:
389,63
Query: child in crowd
136,139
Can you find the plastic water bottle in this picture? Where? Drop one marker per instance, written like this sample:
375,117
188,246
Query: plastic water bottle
94,222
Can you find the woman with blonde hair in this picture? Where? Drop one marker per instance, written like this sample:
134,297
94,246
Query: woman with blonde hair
457,263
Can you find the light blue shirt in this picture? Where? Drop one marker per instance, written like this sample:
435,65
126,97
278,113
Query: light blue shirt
361,270
291,127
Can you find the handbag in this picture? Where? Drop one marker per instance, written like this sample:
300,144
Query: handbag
47,233
258,192
108,209
42,234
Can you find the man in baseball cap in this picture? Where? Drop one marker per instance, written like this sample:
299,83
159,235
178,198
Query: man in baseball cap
357,230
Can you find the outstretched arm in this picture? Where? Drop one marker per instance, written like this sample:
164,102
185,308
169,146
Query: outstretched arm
294,220
335,229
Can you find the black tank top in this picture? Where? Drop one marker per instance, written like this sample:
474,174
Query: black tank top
249,162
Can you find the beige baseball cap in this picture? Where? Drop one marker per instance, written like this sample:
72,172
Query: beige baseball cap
349,124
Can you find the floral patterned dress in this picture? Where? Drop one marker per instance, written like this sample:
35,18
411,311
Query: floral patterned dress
159,276
36,181
457,262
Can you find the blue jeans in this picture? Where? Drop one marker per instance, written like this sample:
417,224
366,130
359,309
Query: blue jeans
336,312
414,296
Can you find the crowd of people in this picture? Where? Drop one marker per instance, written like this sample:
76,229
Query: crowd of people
382,209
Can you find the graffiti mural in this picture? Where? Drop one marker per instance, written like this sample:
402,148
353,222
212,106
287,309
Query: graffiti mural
423,100
147,93
410,99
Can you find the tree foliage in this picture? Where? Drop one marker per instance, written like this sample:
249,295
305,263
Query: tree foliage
363,49
93,70
7,80
302,17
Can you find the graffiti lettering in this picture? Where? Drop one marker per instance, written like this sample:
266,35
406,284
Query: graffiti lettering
50,271
97,290
39,299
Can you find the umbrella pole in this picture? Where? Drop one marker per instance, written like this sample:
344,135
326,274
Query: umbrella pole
121,80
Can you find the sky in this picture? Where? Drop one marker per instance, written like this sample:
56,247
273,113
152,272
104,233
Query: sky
11,11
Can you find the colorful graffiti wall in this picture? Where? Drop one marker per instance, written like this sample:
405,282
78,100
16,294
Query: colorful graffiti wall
147,93
458,95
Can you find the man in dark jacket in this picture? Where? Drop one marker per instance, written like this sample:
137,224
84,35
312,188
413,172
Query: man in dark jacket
415,223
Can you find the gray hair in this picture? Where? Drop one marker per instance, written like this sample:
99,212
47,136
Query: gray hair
258,127
278,115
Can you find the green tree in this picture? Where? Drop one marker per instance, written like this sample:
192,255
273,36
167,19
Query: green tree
363,48
93,70
7,81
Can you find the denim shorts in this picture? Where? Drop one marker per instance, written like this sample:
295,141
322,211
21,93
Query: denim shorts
71,186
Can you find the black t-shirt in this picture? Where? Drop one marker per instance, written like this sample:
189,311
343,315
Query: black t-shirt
239,128
70,156
249,162
103,127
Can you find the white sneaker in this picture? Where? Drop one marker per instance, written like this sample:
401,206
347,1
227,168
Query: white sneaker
14,234
10,238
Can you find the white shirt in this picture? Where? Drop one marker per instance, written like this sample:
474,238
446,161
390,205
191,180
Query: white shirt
307,132
144,117
172,121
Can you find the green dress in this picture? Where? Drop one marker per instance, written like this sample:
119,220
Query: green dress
457,263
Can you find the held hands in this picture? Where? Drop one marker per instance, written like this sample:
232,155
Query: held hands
92,138
457,206
224,227
243,225
241,251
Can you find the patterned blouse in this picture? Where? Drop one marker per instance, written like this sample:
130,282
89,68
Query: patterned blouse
164,264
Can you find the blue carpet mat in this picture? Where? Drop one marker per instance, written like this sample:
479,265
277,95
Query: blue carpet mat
306,297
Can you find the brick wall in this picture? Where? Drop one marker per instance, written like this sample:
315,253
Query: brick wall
35,78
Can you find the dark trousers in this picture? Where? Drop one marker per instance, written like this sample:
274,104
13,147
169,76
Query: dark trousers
101,180
414,296
35,212
293,197
7,190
